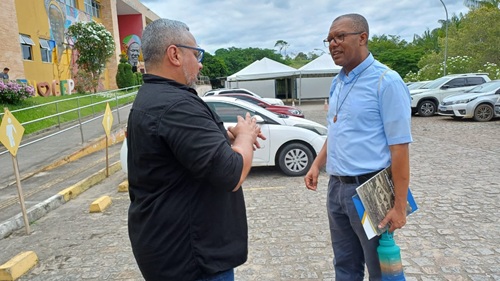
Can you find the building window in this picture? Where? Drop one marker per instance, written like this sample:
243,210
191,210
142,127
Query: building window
93,8
26,46
69,3
45,50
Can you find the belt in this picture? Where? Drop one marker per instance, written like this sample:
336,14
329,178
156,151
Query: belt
356,179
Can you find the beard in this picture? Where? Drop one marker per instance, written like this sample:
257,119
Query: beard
190,78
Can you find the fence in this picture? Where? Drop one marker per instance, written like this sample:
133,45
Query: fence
118,99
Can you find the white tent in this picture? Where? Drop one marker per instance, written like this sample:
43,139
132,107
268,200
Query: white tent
315,77
263,69
322,64
260,77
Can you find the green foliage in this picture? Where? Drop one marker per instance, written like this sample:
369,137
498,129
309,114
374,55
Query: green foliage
124,76
396,53
236,59
95,45
13,93
478,37
482,3
138,78
282,45
214,67
492,69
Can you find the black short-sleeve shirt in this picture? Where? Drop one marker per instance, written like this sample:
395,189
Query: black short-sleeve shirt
184,222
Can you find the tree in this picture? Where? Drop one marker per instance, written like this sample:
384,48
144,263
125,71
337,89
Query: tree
282,46
396,53
477,37
482,3
236,59
94,45
215,68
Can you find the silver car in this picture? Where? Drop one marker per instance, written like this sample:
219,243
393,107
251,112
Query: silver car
477,103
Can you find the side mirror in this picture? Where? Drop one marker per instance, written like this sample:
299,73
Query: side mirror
444,87
261,105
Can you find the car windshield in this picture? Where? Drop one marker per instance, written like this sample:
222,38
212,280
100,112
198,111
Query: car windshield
486,87
436,83
417,85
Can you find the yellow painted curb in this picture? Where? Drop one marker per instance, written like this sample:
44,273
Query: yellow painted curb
123,187
116,137
18,265
79,187
100,204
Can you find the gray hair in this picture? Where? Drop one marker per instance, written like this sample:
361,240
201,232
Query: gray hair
358,22
160,34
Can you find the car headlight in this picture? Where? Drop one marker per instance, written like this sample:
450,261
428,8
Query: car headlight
322,131
464,101
295,111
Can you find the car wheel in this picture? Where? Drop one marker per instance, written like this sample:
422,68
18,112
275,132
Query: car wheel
483,113
426,108
295,159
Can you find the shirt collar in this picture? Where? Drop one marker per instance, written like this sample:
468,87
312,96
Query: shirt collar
155,79
357,70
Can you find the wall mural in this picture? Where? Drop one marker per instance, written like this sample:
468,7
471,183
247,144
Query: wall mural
132,46
60,17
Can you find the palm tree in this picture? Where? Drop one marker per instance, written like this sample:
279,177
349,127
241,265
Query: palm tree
482,3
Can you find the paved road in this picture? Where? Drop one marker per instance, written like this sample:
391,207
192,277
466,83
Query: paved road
454,236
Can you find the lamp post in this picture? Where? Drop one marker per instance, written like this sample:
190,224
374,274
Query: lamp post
446,38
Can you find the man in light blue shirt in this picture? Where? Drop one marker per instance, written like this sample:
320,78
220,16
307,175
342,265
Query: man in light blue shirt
369,129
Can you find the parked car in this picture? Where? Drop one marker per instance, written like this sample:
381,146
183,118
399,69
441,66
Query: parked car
425,101
224,91
478,103
291,143
278,109
417,84
497,107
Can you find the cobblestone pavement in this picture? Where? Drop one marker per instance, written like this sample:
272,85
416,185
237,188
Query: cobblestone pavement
455,166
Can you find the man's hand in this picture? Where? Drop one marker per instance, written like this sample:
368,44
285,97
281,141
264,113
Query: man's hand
395,218
311,178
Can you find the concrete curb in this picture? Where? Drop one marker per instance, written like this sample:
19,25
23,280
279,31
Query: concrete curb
41,209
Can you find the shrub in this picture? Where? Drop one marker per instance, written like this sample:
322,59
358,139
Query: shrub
13,93
124,76
138,78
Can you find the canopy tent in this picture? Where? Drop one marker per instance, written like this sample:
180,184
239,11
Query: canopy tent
321,65
315,78
263,69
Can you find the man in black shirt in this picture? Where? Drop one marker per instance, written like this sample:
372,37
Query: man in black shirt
187,217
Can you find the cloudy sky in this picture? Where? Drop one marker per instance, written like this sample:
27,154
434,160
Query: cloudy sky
303,24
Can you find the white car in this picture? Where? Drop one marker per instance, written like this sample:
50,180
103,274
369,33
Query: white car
478,103
224,91
291,142
417,85
425,100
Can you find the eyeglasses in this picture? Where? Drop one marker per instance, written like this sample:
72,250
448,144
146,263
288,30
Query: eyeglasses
339,38
199,54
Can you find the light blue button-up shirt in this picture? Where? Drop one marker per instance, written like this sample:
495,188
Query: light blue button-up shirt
373,109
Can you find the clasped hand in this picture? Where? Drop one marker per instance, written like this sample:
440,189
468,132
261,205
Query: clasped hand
246,127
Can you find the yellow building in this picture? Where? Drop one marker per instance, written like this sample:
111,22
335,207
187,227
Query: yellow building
37,50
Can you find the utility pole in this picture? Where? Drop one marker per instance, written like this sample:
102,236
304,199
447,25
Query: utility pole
446,38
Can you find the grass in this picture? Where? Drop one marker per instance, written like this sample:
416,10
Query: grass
64,103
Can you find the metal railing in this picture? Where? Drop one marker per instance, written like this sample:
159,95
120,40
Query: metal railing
113,97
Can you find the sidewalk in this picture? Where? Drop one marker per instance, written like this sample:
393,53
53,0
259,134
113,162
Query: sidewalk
51,165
